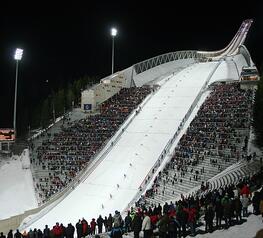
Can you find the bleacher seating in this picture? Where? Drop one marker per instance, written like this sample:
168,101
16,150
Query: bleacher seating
215,139
61,157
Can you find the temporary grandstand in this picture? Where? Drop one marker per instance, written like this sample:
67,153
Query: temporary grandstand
151,133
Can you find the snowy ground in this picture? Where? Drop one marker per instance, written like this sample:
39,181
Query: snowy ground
16,187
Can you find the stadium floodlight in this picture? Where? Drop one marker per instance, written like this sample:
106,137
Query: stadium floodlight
113,34
17,57
18,54
113,31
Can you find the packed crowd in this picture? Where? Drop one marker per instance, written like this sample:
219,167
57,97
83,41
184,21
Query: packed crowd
217,209
63,156
217,137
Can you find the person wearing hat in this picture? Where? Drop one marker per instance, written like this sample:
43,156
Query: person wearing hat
93,224
116,231
226,204
137,224
117,219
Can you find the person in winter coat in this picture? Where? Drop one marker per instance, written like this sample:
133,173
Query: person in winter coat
117,219
35,233
192,219
93,226
31,234
110,222
100,224
165,208
226,204
236,192
218,212
46,232
57,230
84,226
63,229
173,226
105,223
245,203
70,231
182,217
79,229
127,222
39,233
162,225
10,234
154,220
18,234
137,225
146,226
132,213
255,202
245,190
237,205
2,235
116,232
209,217
159,209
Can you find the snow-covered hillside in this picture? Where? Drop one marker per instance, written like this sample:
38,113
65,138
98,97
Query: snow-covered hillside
16,187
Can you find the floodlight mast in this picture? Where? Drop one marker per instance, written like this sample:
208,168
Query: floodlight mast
113,34
18,56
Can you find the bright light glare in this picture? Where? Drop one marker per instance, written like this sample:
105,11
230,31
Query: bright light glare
18,54
113,31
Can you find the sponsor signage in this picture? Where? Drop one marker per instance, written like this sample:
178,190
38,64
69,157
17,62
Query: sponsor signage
87,107
7,134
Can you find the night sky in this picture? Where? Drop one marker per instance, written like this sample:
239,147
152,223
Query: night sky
70,41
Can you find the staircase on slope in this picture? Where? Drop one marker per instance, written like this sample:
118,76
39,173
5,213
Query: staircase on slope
215,139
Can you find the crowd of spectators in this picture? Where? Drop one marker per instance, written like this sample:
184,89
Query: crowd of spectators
64,155
217,209
217,137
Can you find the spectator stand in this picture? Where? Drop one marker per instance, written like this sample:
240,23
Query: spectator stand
183,189
57,197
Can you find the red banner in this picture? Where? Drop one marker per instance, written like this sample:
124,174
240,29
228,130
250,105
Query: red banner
7,134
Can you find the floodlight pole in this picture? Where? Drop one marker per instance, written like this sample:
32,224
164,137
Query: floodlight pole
14,121
17,56
112,56
113,34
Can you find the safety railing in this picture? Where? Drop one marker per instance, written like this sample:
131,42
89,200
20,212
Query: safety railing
164,58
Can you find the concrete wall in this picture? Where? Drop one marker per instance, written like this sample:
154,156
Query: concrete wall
108,87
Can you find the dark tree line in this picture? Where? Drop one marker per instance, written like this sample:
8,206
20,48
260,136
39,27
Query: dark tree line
41,114
258,111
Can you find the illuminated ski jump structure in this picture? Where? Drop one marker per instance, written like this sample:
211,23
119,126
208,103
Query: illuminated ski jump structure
146,139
